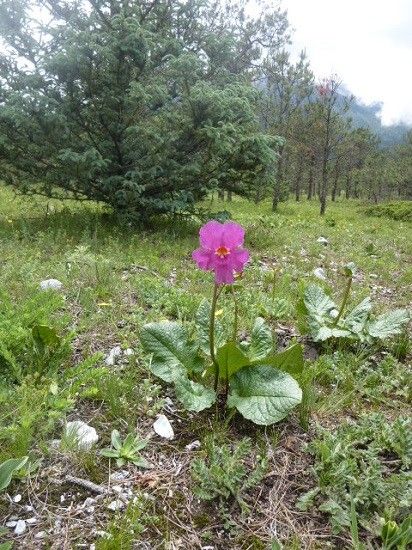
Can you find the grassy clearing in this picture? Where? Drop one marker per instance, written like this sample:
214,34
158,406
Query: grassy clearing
117,278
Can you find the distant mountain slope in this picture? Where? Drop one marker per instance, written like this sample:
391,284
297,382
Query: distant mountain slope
367,116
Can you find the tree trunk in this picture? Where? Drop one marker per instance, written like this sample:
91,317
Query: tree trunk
278,181
229,196
335,182
348,185
310,180
299,178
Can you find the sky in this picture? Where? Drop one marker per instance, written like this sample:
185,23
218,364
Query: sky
367,43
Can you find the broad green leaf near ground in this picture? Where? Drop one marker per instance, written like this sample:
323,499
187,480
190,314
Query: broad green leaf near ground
290,360
261,340
173,354
263,394
194,396
230,359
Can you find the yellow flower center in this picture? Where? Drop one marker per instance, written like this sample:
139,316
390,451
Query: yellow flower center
222,251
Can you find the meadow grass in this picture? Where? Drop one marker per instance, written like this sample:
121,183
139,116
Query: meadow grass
117,278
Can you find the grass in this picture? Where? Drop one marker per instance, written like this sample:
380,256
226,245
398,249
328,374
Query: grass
117,278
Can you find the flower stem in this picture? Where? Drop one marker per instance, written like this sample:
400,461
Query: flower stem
236,313
344,301
216,292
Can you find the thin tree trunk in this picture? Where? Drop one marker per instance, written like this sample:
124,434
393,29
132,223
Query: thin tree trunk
299,178
310,180
335,182
229,196
278,181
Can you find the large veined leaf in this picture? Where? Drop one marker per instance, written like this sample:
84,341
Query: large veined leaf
261,341
263,394
356,319
193,396
324,333
317,302
389,324
203,322
290,360
8,468
230,359
45,336
173,353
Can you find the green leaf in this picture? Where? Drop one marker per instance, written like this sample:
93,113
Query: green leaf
6,545
389,324
356,319
7,469
141,462
45,336
173,354
261,342
263,394
116,440
109,453
290,360
230,359
194,396
317,302
324,333
203,323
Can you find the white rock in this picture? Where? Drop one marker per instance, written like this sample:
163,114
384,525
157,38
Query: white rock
322,240
334,313
51,284
40,535
320,273
119,476
110,359
11,524
117,489
88,502
20,527
17,498
116,505
193,445
163,427
31,521
85,435
28,508
373,275
128,351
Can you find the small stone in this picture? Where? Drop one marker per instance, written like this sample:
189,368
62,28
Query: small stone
163,427
194,445
11,524
62,498
319,272
128,351
17,498
31,521
85,435
88,502
373,276
110,359
116,489
323,241
28,508
119,476
40,535
116,505
20,527
51,284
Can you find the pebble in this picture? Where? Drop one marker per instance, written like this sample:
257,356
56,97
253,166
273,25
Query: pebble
320,273
40,535
323,241
11,524
85,435
194,445
88,502
110,359
17,498
119,476
116,505
51,284
20,527
163,427
31,521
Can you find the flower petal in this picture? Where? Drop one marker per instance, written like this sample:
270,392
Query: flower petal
238,259
224,274
203,258
211,235
233,235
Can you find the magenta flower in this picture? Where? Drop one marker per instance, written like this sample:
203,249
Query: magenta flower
221,250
